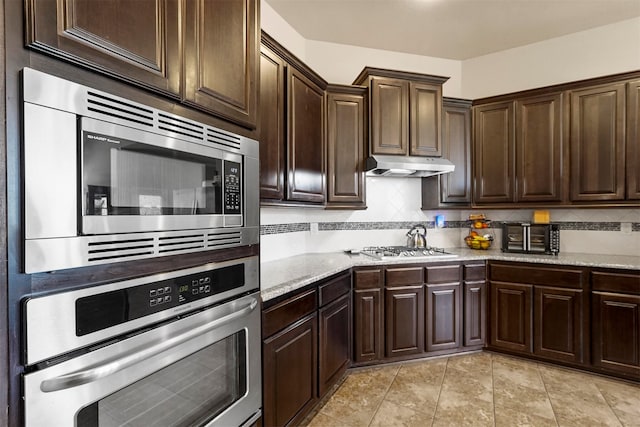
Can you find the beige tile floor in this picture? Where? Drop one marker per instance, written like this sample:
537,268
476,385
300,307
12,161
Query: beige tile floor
479,389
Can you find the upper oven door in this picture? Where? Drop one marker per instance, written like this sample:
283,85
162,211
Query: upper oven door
203,369
136,181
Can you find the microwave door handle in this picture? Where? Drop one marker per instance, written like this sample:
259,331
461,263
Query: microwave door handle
526,243
74,379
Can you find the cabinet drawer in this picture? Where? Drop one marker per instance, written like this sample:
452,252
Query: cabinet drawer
475,272
537,275
400,276
443,273
367,279
628,283
334,289
288,311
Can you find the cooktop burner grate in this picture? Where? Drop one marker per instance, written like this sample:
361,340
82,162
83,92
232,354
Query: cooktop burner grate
385,252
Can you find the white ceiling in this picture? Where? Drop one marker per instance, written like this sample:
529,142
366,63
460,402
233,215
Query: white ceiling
453,29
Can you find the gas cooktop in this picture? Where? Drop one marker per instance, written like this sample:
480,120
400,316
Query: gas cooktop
395,252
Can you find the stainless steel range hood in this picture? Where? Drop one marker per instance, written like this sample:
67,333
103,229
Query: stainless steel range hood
407,166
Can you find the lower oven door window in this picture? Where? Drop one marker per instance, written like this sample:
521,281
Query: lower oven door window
187,393
201,370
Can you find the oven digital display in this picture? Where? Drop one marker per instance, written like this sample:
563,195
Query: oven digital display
97,312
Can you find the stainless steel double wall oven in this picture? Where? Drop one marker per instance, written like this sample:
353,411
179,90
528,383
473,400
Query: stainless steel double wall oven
108,180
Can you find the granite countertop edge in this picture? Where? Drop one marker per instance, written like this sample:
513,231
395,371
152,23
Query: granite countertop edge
285,275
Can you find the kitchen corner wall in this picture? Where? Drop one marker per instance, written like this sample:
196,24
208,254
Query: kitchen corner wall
394,203
394,206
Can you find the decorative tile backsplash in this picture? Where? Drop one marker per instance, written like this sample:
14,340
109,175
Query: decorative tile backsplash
406,225
284,228
393,207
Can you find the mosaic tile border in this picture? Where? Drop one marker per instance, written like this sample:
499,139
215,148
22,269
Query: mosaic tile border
284,228
406,225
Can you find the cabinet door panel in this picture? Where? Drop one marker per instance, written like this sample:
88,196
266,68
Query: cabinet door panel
389,120
426,115
539,149
135,40
345,147
511,314
220,54
271,126
442,314
335,342
616,332
474,313
455,187
368,325
633,140
404,320
597,143
305,143
290,373
558,315
494,143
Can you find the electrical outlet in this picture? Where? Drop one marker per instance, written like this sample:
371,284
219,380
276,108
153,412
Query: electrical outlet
314,228
625,227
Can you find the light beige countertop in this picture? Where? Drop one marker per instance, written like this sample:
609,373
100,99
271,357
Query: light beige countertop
285,275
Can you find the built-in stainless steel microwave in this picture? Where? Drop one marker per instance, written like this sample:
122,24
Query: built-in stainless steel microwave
523,237
108,179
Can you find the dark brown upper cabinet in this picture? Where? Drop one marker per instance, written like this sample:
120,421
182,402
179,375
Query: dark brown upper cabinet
405,112
389,107
598,143
539,149
568,144
425,119
271,126
633,140
204,53
452,189
291,129
221,58
135,40
519,150
305,142
494,144
346,133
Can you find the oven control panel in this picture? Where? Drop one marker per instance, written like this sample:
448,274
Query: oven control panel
101,311
232,186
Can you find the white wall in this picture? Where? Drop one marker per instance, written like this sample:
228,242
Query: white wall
601,51
279,29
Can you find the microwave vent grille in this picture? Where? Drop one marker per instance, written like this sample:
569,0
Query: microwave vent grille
218,137
181,243
122,110
124,249
108,249
224,239
181,127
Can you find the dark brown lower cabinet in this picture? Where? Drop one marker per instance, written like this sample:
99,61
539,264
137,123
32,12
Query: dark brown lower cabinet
368,325
334,342
442,312
616,332
558,329
290,373
511,316
404,320
475,313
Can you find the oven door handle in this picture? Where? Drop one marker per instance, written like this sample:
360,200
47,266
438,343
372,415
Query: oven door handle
136,356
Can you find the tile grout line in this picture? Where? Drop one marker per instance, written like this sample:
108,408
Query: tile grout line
607,402
493,392
544,384
383,397
435,411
